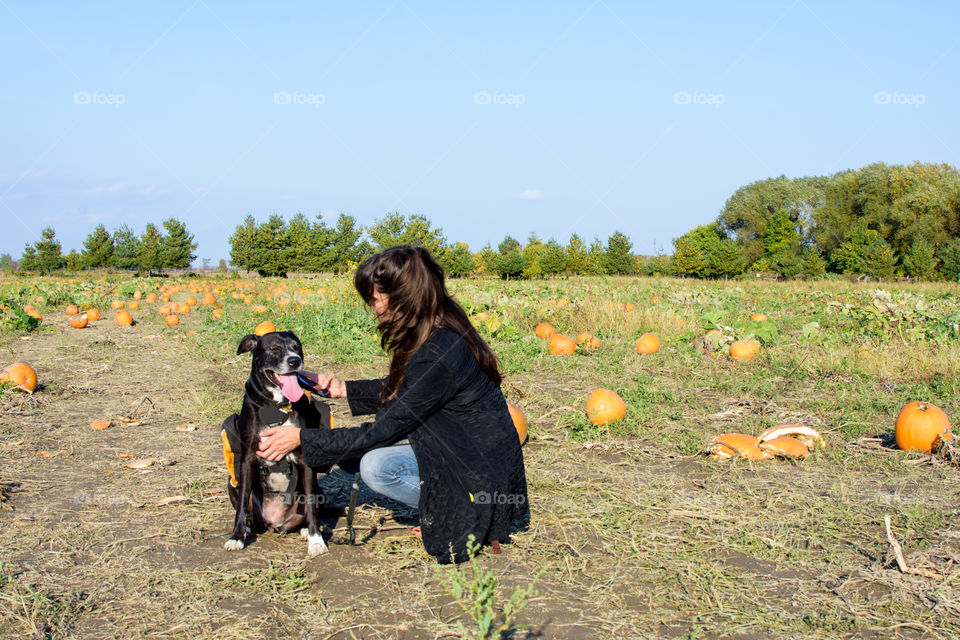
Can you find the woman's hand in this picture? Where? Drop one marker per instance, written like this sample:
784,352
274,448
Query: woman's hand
332,385
276,442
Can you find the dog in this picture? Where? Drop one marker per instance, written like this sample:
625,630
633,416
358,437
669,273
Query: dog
275,496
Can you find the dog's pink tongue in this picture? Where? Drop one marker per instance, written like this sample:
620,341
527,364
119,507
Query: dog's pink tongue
289,387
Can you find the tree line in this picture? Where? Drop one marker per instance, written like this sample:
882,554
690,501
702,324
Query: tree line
880,220
277,247
172,248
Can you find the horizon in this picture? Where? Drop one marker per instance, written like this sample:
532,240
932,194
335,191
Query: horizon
587,117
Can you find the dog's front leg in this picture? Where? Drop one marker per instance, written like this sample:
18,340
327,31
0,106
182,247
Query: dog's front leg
238,538
314,497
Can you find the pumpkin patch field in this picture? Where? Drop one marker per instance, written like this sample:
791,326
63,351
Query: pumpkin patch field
669,508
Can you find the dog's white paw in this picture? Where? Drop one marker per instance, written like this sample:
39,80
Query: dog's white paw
316,546
233,545
304,533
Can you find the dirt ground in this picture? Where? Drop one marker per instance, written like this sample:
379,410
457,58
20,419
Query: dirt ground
629,541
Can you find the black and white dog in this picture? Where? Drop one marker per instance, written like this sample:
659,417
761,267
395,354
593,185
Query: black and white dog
275,496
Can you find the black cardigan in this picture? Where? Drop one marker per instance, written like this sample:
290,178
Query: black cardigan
472,477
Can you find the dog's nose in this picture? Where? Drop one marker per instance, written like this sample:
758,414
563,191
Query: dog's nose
293,362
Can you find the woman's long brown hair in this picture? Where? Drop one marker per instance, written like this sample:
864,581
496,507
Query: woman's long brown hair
418,303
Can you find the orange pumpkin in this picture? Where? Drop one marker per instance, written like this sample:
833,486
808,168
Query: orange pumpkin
260,308
605,406
921,426
79,321
744,349
191,301
264,328
560,345
217,313
93,314
758,317
545,330
123,318
72,310
519,422
137,295
151,297
134,305
116,304
587,342
172,319
20,375
208,299
647,343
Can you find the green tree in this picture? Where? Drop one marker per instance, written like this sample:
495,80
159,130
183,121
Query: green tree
553,261
619,260
705,252
6,262
921,261
49,253
508,261
269,255
532,256
242,244
149,249
396,229
576,255
461,261
486,260
753,209
73,261
98,249
346,250
879,260
596,258
177,250
862,251
124,248
950,260
300,244
812,264
28,261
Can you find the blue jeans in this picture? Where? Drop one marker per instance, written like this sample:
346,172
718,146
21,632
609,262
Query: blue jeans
393,472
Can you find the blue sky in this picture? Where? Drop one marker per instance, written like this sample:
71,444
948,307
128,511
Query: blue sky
488,118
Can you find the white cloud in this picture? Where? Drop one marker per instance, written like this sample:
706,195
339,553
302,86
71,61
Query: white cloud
529,194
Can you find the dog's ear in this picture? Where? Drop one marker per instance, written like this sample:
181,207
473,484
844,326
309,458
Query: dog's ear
248,343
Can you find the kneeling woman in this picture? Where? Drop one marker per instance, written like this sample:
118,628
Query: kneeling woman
443,393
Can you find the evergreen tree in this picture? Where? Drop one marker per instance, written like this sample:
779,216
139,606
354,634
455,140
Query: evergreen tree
921,261
73,261
532,257
269,253
950,260
486,260
124,248
812,264
28,261
689,257
576,255
553,261
149,249
863,251
508,262
705,252
177,249
300,244
6,262
49,253
619,260
346,250
242,244
879,260
596,258
460,260
98,249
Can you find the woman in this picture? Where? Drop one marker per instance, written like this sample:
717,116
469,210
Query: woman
443,393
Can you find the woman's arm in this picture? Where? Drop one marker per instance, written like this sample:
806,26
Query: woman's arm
363,396
428,385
